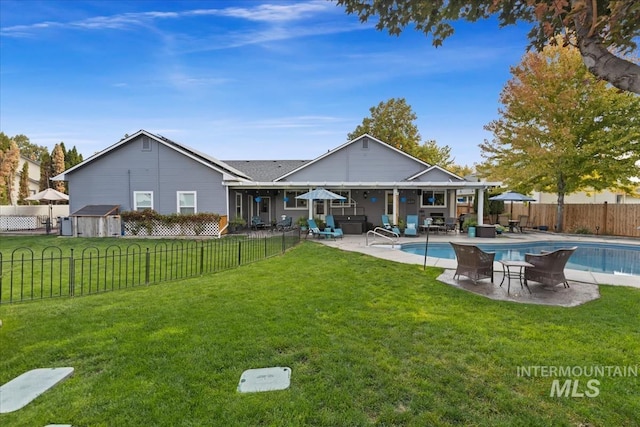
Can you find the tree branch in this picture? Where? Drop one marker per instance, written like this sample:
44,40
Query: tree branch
621,73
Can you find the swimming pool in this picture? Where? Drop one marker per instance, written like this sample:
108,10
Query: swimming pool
595,257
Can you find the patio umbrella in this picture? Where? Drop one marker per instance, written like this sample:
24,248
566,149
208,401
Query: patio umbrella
49,195
319,194
512,196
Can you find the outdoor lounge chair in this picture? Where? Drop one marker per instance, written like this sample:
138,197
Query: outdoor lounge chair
331,224
256,222
412,226
548,267
473,262
388,226
315,230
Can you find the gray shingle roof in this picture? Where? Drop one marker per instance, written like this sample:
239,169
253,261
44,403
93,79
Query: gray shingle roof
265,170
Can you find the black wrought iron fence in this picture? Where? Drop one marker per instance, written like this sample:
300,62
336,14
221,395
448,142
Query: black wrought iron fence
26,275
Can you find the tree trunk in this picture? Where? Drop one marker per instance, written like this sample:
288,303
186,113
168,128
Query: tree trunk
601,63
560,213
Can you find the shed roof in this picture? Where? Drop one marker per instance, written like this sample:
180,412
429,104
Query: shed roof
97,210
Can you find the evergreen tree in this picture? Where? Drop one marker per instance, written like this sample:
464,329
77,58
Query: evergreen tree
23,193
57,164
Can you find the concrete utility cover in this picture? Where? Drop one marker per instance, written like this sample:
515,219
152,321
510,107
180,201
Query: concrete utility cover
264,379
23,389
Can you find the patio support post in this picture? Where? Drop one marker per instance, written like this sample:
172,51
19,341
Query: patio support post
480,212
396,197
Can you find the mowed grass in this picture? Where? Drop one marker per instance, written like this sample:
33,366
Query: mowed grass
369,342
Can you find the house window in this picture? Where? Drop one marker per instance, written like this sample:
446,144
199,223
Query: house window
239,205
365,143
146,143
290,201
344,193
142,200
433,198
187,202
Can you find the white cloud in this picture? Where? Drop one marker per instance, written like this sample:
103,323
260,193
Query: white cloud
266,13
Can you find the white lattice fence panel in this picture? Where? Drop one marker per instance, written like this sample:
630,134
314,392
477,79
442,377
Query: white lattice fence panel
160,229
19,222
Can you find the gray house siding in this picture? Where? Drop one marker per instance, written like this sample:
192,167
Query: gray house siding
437,175
112,179
364,160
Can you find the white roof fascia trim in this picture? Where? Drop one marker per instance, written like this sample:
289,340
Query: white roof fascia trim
177,147
346,144
329,184
62,176
435,167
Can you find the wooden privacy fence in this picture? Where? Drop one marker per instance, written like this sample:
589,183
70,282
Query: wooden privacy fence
613,220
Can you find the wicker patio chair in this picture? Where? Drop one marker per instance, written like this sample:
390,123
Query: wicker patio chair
548,267
473,262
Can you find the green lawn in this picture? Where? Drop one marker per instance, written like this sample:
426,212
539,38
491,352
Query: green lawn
369,342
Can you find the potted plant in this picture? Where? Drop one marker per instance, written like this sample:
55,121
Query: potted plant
302,222
469,225
237,223
402,225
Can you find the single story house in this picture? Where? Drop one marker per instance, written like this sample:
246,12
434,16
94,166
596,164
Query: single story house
148,171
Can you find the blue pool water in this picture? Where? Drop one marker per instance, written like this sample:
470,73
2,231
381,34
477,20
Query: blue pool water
595,257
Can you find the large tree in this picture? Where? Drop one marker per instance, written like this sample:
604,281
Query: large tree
23,192
28,149
45,170
71,157
561,130
57,164
393,122
9,162
604,29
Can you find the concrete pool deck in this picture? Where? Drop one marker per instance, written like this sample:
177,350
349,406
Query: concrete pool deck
584,284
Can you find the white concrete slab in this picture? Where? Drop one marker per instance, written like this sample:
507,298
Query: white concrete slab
24,388
264,379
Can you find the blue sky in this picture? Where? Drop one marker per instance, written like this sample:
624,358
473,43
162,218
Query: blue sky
239,80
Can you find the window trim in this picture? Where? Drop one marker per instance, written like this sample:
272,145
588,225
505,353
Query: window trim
135,200
341,203
292,194
425,193
195,201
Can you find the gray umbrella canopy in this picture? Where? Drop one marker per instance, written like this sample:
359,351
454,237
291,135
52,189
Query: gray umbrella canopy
320,194
48,195
512,196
